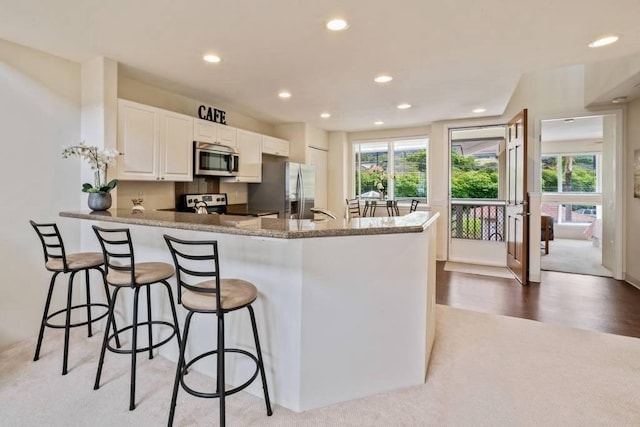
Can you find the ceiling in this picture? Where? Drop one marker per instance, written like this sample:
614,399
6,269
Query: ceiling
447,58
584,129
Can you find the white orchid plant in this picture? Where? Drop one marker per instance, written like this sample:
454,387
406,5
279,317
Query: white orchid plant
381,178
99,160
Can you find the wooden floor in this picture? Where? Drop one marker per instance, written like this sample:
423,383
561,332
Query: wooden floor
586,302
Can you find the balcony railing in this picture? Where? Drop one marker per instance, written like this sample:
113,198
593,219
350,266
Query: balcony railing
478,219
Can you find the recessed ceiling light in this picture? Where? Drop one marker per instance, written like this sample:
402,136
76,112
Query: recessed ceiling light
284,94
619,100
337,25
479,110
214,59
325,115
404,106
603,41
378,123
383,79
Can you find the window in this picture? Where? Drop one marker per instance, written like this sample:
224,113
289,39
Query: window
396,169
574,181
570,173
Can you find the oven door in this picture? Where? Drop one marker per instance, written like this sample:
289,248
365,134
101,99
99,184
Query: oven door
215,162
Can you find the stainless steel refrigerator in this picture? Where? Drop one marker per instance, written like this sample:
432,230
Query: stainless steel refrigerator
286,187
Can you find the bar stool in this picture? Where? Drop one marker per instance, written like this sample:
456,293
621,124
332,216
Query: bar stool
392,208
195,261
58,261
117,246
353,208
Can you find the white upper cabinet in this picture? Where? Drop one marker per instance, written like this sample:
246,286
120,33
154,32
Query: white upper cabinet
250,152
176,147
154,144
215,133
275,146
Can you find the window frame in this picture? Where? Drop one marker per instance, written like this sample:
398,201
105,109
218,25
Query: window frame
390,184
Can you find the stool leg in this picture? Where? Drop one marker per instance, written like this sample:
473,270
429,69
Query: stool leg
86,280
134,346
67,323
110,321
181,363
44,315
108,295
261,364
149,321
220,384
173,311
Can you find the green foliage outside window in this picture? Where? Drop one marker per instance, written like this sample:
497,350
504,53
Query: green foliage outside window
408,174
581,176
473,179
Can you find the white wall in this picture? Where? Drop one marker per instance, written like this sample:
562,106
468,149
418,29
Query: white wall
40,111
143,93
632,226
608,79
317,138
338,172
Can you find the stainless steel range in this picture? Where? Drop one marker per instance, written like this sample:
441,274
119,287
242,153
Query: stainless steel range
204,203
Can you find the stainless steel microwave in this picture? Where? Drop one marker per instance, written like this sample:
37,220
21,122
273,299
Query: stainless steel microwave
214,160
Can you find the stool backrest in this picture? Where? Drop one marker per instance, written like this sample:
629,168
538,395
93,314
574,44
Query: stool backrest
117,250
195,260
52,244
414,205
353,207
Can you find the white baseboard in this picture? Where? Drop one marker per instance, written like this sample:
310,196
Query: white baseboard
632,280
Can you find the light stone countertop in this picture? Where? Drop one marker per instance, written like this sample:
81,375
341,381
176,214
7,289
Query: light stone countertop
415,222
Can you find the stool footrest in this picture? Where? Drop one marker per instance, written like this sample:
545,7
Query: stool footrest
73,325
140,350
227,392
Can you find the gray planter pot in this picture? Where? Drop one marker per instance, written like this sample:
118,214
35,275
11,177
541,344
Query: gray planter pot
99,201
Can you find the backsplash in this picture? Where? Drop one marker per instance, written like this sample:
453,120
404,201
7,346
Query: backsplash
156,195
166,195
199,185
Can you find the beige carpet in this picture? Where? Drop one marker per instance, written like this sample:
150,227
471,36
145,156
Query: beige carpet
574,256
486,371
483,270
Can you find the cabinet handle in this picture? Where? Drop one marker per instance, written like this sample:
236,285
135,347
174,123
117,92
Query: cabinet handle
162,178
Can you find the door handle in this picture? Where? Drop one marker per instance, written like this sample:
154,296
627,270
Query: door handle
523,213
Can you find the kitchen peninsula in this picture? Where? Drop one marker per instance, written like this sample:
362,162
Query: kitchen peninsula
346,308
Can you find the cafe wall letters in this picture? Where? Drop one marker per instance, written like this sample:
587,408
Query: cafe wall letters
212,114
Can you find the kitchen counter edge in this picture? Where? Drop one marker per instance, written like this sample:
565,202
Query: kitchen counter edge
264,227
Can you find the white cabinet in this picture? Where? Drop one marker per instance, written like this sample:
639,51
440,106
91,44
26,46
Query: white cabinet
250,152
275,146
154,144
214,133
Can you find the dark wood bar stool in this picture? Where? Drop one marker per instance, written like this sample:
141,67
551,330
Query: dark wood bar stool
58,261
392,208
353,208
123,272
198,271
